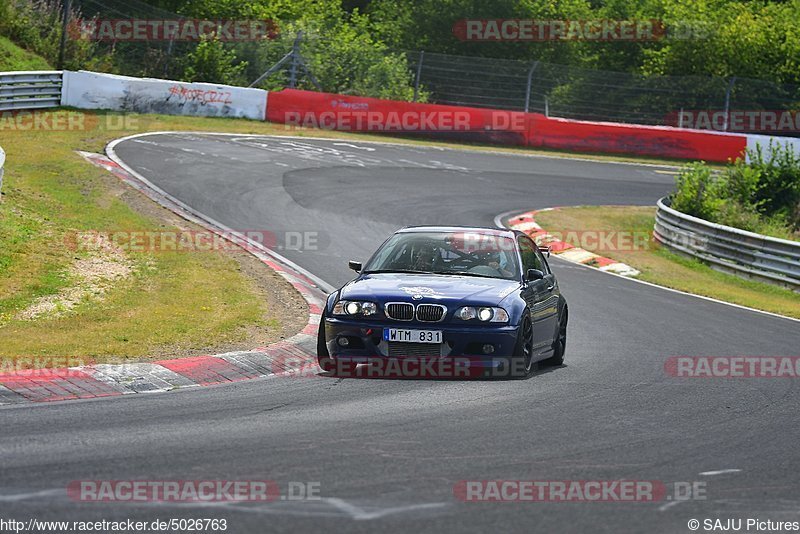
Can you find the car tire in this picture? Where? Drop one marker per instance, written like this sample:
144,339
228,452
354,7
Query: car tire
560,344
522,362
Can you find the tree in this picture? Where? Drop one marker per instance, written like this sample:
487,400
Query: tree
211,62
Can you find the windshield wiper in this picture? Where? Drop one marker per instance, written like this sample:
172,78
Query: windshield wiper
378,271
465,273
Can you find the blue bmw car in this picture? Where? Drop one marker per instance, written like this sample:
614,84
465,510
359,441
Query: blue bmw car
465,299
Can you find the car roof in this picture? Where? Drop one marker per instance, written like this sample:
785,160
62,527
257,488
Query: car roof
483,230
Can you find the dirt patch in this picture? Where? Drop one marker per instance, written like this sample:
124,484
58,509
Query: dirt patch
92,277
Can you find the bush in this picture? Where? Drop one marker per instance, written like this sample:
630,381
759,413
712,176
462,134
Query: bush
761,196
778,192
699,191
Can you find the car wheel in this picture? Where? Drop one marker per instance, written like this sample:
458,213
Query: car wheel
560,344
522,361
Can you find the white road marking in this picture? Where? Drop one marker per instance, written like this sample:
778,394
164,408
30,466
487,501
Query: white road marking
359,514
720,472
667,506
33,495
367,148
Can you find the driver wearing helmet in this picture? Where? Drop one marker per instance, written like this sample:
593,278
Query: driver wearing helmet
495,260
425,259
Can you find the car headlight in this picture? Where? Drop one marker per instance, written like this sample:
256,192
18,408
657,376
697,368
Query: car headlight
483,313
355,307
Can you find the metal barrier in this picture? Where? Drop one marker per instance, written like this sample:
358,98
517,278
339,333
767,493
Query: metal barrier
745,254
30,90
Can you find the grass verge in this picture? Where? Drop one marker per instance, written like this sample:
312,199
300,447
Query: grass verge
659,265
58,301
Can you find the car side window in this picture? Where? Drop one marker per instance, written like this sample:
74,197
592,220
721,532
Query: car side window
531,258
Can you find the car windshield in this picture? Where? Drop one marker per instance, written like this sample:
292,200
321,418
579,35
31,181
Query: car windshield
448,253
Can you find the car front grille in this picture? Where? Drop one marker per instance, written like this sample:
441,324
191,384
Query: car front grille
430,313
400,311
415,350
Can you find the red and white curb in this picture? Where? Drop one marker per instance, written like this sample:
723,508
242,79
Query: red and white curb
297,353
526,223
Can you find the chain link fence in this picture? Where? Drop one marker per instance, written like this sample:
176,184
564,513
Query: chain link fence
577,93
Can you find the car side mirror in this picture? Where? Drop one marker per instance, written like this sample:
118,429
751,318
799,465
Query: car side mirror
534,274
355,265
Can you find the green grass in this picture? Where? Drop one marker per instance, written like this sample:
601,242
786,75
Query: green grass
12,57
175,302
663,267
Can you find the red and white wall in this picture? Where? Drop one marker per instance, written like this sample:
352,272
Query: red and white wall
88,90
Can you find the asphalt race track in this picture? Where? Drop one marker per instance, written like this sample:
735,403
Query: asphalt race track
388,453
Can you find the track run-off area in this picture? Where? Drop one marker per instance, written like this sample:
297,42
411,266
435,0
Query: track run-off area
390,455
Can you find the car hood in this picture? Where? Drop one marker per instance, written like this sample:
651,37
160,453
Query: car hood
404,287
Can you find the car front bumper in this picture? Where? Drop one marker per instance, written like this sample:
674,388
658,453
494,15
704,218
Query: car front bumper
461,347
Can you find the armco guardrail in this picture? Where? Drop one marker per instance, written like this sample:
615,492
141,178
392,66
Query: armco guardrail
30,90
746,254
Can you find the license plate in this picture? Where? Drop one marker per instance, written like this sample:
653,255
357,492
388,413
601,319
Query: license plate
412,336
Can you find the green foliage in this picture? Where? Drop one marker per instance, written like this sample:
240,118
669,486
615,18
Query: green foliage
36,26
211,62
342,54
778,192
760,196
355,46
699,191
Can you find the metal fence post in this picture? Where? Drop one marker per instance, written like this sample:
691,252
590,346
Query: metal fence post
728,102
528,90
419,75
63,44
295,60
546,106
